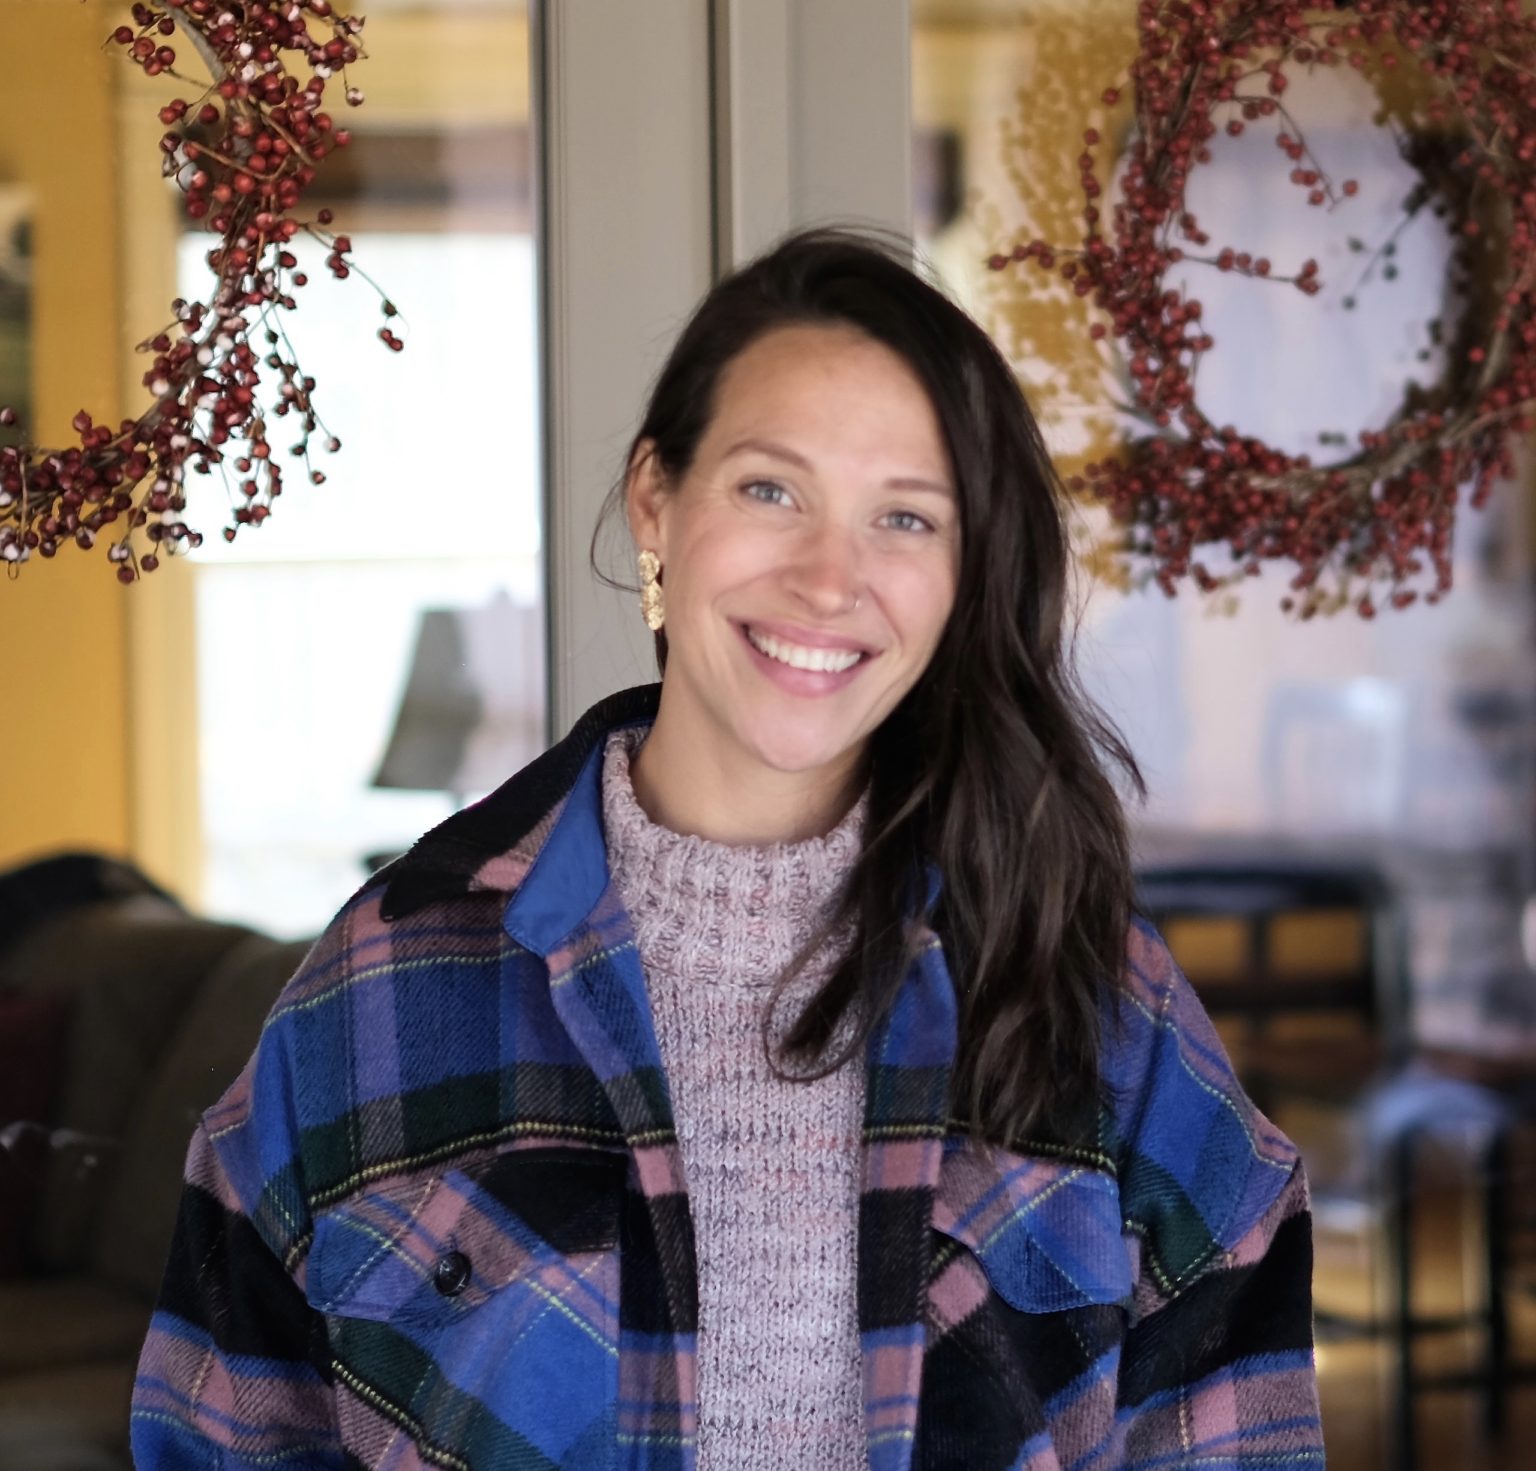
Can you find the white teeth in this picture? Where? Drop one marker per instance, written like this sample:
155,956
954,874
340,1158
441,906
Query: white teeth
832,660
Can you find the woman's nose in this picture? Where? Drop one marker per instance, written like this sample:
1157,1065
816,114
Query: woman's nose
827,571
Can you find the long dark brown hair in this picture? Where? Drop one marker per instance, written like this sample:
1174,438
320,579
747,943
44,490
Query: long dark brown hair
995,766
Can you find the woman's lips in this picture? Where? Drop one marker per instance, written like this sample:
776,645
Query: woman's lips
809,638
801,681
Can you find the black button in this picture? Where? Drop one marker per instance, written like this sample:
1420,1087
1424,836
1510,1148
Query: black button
451,1275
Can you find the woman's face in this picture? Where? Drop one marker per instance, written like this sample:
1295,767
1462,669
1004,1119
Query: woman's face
817,526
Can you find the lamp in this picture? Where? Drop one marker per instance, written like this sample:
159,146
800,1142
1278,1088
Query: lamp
473,709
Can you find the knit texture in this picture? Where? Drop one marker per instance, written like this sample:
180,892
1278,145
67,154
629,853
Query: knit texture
772,1166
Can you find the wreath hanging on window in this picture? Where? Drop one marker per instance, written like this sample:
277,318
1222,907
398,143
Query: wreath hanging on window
242,150
1205,503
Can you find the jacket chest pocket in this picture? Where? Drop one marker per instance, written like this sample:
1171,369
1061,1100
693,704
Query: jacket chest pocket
1028,1288
1045,1233
477,1310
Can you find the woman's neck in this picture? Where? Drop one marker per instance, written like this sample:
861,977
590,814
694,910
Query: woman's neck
703,793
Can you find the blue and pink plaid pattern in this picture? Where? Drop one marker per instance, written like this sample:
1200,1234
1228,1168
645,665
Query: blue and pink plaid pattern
440,1219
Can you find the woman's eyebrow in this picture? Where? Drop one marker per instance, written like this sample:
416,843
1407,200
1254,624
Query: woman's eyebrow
768,447
782,452
912,482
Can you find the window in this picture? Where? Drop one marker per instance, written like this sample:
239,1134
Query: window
306,625
1405,738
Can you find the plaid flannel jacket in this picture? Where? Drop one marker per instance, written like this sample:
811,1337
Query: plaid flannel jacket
440,1218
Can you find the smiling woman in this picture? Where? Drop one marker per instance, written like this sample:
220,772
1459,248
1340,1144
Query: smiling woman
773,1072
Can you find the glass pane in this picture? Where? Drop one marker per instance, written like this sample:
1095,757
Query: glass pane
1403,744
431,506
1246,722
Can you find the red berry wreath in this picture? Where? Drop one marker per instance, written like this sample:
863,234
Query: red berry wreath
1375,525
243,151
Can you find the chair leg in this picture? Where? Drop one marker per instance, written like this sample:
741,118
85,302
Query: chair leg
1496,1361
1403,1448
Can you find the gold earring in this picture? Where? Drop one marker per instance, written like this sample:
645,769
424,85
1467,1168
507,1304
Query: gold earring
650,591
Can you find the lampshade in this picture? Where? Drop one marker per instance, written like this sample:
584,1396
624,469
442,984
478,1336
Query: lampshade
473,709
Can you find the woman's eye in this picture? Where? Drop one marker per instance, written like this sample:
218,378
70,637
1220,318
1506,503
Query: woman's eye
913,522
764,491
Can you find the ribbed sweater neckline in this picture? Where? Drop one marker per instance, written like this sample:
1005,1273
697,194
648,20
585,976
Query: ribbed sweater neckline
675,883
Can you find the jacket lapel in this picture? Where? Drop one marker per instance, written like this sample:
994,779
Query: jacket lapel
568,911
910,1058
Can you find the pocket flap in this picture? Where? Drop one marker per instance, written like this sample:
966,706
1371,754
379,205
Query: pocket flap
1046,1232
378,1255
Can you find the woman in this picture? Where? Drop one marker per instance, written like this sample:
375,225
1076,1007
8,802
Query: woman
772,1072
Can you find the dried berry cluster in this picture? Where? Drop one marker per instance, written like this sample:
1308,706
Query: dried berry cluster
1380,519
243,151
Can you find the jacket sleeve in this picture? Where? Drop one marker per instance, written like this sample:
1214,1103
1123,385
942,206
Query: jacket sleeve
1217,1365
1222,1372
235,1372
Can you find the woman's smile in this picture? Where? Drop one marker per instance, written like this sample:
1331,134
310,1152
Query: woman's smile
798,669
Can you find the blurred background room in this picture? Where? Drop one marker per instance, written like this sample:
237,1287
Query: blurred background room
200,767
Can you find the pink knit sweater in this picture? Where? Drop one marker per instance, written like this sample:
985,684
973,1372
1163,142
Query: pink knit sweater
772,1166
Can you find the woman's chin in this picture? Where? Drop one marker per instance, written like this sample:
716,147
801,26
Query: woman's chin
802,752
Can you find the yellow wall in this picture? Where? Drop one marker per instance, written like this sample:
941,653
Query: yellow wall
98,728
63,695
162,750
441,68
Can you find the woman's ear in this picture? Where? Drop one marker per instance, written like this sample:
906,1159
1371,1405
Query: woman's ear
645,498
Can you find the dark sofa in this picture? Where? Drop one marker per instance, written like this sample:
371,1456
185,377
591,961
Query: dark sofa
122,1017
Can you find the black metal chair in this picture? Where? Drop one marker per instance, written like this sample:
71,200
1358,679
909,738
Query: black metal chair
1360,999
1363,1061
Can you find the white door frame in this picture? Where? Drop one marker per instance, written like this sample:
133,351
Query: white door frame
678,138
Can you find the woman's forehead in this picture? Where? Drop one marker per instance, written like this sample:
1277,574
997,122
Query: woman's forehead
811,389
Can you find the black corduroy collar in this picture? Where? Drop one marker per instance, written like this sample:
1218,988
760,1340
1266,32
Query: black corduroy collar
443,862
